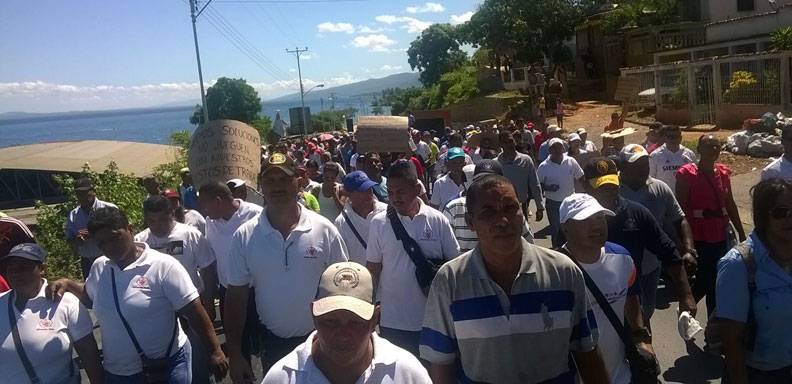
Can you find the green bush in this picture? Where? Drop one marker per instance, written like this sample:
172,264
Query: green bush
112,186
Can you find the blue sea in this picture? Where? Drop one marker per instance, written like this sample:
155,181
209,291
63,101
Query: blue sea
144,125
150,126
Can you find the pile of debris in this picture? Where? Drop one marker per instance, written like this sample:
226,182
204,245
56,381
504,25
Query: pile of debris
759,137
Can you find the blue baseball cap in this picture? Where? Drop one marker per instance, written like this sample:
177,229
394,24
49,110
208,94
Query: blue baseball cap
454,153
358,181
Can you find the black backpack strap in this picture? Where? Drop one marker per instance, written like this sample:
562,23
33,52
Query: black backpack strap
129,329
746,253
409,244
354,230
12,321
621,329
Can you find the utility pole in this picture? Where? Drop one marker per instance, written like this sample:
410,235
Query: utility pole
297,52
194,13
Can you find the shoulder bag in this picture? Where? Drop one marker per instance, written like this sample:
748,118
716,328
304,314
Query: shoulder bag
425,270
155,371
18,342
354,230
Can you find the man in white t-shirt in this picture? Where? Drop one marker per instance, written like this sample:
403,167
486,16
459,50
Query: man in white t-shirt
782,166
353,222
48,330
612,270
560,175
345,347
451,184
403,299
190,217
282,254
666,160
150,289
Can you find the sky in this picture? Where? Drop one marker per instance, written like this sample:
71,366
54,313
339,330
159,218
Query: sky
60,55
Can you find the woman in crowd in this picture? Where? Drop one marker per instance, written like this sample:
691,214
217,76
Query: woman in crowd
38,333
754,288
705,194
136,294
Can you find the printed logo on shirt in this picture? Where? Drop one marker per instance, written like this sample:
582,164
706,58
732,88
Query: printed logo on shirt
140,282
311,252
173,248
45,325
668,168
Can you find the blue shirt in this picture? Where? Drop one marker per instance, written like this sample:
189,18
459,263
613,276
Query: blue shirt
189,196
77,220
772,304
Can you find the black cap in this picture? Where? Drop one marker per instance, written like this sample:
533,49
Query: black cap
600,171
83,184
488,166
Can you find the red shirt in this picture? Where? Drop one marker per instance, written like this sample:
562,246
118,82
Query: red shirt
3,285
418,167
539,139
705,208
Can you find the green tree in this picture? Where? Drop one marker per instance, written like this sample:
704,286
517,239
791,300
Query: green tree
111,185
642,13
327,121
436,52
377,110
522,31
169,174
229,99
399,98
781,39
263,125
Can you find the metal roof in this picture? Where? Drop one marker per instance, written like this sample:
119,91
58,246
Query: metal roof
70,156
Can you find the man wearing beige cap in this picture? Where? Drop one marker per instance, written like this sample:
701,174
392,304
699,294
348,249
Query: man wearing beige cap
344,348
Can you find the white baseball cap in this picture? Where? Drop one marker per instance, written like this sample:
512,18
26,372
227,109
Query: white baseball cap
553,128
573,137
631,153
235,183
347,286
554,141
580,206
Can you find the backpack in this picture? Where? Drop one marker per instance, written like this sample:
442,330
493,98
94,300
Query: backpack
712,335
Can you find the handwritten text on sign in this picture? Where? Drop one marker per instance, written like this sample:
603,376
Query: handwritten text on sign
382,134
225,149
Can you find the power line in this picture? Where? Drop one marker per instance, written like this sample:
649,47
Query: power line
250,45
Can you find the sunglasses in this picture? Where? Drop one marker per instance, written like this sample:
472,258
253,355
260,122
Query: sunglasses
781,213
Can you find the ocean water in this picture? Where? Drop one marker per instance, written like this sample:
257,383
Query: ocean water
141,126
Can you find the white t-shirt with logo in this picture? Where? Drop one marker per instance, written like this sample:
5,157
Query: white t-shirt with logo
356,251
220,231
285,272
615,276
780,168
663,164
46,329
389,365
561,175
402,299
185,244
150,291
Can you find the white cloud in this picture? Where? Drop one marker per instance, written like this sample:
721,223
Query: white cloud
461,19
366,29
390,68
411,24
426,8
309,56
335,27
374,42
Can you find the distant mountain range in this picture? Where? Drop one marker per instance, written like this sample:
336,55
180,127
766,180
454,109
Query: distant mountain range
356,95
368,87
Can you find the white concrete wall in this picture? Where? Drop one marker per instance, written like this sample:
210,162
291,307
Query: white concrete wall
750,27
717,10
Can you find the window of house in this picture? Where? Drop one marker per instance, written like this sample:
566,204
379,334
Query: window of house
745,5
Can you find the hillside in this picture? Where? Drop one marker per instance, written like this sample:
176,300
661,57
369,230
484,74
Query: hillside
363,88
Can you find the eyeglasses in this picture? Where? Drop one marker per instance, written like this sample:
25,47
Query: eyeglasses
781,213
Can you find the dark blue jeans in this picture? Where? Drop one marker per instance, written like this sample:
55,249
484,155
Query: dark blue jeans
180,370
552,208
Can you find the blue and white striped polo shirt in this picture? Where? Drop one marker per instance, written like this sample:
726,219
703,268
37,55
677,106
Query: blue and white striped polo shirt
524,337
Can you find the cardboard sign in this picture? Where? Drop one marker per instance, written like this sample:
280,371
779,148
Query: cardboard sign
225,149
627,89
382,134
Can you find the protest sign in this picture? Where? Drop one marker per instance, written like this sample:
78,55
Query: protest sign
225,149
382,134
627,88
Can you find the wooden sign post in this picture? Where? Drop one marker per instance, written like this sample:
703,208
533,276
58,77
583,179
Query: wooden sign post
225,149
382,134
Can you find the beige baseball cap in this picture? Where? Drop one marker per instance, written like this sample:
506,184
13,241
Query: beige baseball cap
348,286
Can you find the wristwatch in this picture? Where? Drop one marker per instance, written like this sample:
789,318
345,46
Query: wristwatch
642,335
